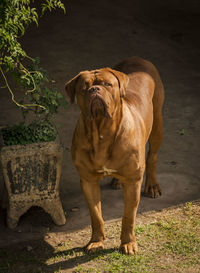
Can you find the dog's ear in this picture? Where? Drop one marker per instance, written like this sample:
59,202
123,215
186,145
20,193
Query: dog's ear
122,80
70,88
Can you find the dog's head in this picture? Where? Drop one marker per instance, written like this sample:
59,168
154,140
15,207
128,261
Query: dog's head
98,92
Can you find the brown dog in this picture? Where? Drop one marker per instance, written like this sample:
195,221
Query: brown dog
120,110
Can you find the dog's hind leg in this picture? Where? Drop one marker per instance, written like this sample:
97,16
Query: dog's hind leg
115,184
152,187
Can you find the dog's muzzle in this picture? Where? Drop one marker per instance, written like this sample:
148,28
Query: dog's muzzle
97,104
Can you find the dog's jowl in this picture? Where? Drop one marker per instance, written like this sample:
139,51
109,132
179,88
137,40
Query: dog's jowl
121,109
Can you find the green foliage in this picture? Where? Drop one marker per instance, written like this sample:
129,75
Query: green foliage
39,97
27,134
15,17
52,4
38,93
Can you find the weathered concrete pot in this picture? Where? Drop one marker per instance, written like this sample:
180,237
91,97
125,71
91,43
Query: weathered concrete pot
32,175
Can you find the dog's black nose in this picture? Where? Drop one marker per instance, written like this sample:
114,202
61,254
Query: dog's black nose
94,89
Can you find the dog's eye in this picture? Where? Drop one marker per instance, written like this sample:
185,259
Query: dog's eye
107,84
85,86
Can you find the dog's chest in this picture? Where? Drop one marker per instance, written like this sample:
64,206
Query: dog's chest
105,161
101,160
104,152
106,172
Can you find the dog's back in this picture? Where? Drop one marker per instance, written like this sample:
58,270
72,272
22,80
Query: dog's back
135,64
140,73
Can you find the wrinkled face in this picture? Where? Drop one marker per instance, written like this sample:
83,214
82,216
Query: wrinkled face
98,92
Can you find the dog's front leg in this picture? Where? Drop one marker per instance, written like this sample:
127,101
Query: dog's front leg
131,201
91,190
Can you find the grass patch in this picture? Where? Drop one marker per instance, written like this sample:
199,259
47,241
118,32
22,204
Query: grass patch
168,241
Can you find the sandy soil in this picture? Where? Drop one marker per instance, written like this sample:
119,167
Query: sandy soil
102,33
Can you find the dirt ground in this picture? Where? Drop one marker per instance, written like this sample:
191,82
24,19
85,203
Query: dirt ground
96,34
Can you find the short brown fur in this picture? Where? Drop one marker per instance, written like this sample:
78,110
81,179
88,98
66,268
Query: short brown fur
120,110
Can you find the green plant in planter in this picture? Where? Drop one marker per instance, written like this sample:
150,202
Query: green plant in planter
31,172
43,102
27,134
39,98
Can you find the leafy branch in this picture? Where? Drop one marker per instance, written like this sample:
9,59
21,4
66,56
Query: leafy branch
12,94
39,98
52,4
15,17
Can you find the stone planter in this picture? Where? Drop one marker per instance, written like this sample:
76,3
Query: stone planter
32,175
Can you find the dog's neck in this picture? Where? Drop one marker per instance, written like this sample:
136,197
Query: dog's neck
101,133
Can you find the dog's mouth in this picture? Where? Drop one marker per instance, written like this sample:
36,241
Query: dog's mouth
98,107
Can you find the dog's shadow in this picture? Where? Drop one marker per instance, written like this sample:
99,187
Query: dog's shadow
76,257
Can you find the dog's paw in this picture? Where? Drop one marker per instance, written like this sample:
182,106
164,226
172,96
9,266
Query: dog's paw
129,248
115,184
153,191
93,247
